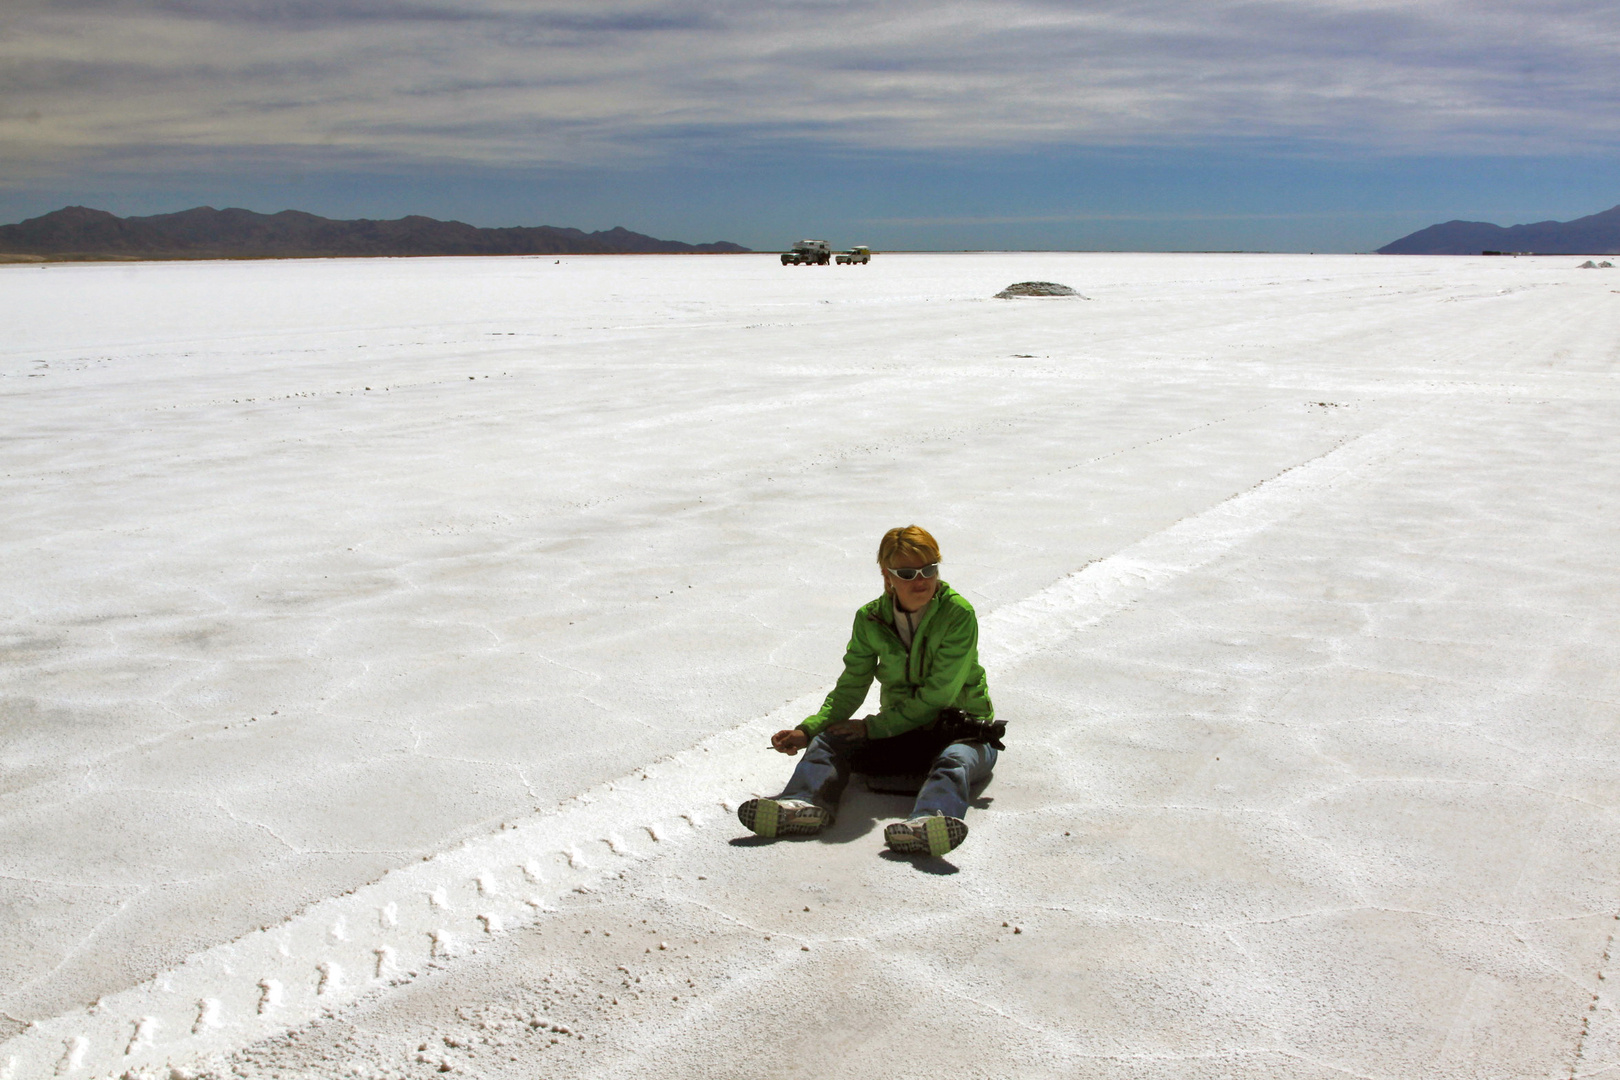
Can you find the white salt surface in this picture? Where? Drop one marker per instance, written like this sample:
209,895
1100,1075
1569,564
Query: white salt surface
1298,586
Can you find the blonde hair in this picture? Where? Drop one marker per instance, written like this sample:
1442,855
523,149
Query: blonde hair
910,541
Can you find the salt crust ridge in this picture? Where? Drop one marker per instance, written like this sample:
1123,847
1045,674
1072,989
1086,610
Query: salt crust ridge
423,915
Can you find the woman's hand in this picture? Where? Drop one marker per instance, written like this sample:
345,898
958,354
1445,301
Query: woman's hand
853,728
789,741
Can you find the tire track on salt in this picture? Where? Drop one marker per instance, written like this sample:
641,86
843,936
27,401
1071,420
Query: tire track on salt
385,934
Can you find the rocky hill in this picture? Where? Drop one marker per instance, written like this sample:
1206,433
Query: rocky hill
1597,234
78,232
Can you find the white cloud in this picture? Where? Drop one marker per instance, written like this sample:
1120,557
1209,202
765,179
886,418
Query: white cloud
503,82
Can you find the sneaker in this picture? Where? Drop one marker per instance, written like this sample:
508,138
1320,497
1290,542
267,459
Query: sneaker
931,835
781,817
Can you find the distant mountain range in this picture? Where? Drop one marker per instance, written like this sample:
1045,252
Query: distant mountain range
1598,234
78,232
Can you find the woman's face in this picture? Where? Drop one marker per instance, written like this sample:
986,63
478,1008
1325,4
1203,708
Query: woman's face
912,594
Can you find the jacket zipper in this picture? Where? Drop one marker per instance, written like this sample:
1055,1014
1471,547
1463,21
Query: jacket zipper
911,650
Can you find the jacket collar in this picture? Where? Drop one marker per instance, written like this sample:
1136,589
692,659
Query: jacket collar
882,609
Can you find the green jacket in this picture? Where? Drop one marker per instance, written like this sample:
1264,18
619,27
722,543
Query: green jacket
940,669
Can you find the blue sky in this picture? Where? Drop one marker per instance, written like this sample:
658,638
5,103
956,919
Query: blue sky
1328,125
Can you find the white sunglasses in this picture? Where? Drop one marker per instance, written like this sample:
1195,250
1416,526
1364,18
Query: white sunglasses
911,573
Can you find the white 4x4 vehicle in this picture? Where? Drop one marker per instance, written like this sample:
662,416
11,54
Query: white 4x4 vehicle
859,254
808,253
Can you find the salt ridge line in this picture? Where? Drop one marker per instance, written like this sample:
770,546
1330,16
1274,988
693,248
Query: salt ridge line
1090,594
424,914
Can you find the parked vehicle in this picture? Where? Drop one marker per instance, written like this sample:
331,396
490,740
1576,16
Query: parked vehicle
860,254
808,253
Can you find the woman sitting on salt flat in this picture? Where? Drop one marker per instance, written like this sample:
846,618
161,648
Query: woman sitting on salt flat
920,639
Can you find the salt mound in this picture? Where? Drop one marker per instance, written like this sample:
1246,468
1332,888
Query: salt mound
1035,288
1590,265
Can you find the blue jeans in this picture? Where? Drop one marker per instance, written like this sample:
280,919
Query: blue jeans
824,770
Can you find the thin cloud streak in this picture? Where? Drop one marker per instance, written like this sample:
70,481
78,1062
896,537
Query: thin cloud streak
501,83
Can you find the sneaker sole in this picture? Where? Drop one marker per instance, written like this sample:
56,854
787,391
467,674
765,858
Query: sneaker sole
767,817
936,836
